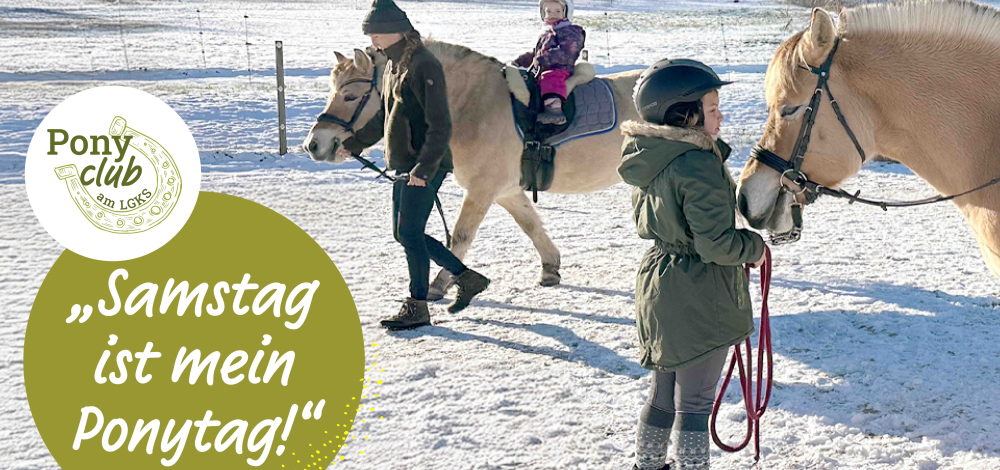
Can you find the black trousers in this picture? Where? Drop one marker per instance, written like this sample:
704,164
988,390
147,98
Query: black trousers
411,206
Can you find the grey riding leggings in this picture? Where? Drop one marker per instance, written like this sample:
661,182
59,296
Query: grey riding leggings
687,393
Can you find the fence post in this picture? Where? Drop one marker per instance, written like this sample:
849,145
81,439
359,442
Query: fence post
280,69
201,38
121,32
246,33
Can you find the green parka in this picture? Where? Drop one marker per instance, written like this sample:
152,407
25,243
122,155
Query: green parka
691,295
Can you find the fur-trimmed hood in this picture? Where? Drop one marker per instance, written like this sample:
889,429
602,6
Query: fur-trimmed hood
649,148
680,134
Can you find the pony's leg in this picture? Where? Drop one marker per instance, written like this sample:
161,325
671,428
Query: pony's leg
440,286
475,205
519,206
985,224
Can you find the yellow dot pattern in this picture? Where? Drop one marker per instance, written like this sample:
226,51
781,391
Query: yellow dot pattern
339,438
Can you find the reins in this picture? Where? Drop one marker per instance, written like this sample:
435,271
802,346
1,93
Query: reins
755,403
405,177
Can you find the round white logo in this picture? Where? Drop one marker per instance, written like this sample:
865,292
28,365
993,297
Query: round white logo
112,173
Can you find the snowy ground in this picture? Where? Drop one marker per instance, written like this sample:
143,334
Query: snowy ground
884,323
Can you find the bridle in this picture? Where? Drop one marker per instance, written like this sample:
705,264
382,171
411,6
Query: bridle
806,191
362,102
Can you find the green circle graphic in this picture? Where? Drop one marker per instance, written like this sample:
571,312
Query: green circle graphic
292,321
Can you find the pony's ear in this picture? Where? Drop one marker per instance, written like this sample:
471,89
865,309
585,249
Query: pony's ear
819,38
362,60
340,57
378,57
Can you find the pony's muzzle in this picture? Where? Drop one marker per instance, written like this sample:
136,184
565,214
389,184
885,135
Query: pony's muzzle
757,221
742,205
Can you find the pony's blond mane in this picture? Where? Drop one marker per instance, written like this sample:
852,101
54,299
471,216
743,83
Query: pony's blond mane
947,19
449,54
921,20
784,65
339,68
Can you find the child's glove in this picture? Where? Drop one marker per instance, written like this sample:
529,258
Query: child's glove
524,60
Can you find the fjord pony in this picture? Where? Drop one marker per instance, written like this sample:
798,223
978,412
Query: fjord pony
485,144
916,82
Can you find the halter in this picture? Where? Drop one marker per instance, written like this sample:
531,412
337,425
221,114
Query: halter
806,191
349,125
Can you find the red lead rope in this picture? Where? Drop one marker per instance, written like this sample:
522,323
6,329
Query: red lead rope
756,404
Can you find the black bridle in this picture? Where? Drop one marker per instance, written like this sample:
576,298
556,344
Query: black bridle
349,125
807,191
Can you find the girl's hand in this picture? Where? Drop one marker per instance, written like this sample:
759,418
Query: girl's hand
414,181
761,260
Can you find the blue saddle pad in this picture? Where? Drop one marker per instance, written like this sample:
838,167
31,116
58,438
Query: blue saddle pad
595,113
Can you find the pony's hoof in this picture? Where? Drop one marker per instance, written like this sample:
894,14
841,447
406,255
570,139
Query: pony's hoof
440,286
550,276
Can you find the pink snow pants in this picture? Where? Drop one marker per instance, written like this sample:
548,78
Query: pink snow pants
553,82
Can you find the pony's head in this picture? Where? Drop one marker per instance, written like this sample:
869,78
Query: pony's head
355,98
790,84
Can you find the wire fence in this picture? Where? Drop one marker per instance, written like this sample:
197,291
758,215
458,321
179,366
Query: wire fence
238,39
94,37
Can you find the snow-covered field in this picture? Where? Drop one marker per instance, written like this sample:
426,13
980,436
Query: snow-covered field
885,324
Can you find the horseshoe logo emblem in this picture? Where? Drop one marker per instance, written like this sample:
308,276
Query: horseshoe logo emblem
139,213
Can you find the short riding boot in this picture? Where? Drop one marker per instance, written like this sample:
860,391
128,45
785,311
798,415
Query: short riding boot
553,112
412,314
469,284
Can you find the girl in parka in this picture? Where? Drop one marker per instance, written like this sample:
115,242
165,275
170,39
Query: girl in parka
692,300
416,123
554,57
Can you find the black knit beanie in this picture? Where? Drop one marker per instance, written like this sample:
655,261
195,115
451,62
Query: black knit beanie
386,18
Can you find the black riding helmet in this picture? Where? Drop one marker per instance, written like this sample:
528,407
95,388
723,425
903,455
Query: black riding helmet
672,81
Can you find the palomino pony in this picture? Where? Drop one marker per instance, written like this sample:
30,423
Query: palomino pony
916,82
485,144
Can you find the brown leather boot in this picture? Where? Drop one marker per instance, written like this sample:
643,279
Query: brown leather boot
469,284
412,314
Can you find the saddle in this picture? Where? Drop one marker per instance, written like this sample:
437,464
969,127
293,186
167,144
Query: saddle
589,109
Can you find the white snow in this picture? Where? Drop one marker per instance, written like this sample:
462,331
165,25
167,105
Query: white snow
885,324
